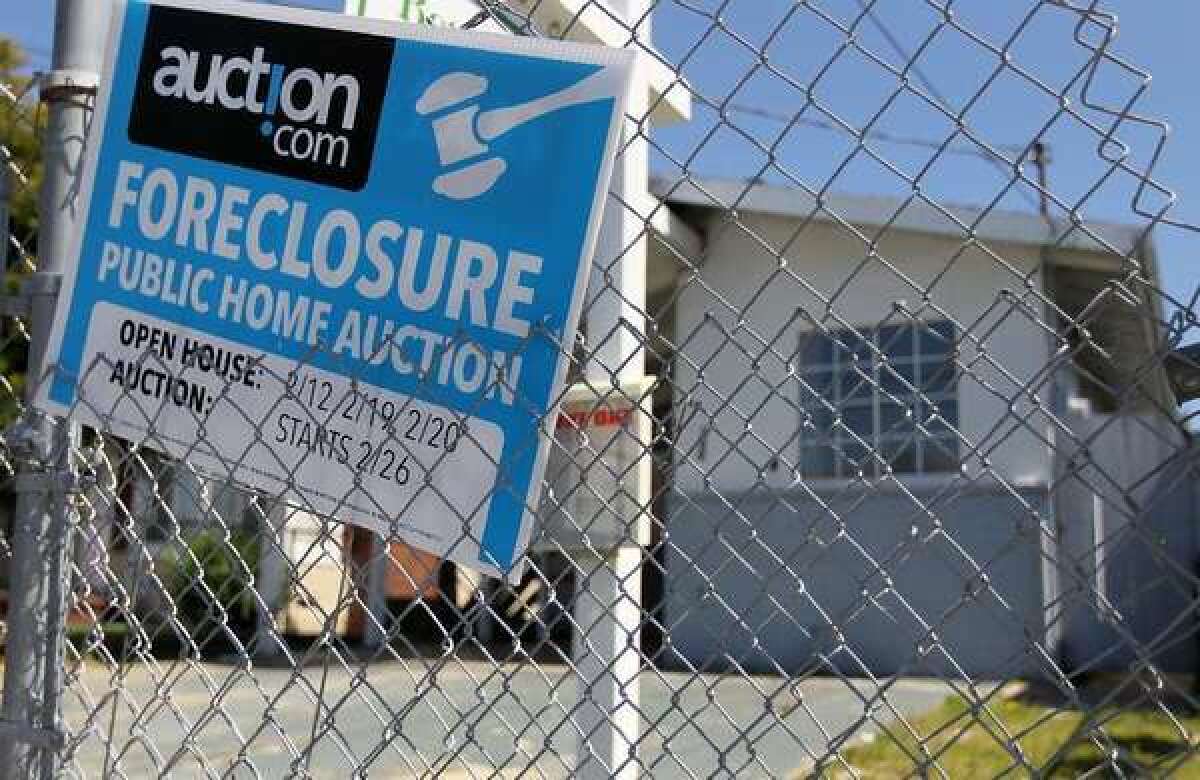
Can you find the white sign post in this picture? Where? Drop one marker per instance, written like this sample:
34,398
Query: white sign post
608,602
608,607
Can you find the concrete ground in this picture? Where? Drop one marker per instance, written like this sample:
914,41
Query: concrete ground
450,718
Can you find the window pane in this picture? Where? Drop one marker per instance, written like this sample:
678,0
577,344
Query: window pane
816,348
940,455
896,341
933,415
816,461
819,384
854,346
939,427
860,419
895,418
898,378
901,455
854,457
817,420
857,382
936,338
939,377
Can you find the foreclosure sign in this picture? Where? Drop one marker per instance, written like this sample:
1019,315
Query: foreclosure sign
339,260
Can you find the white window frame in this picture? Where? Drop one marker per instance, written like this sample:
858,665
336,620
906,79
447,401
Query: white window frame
931,437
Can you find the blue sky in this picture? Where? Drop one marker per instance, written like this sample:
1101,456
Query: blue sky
1155,35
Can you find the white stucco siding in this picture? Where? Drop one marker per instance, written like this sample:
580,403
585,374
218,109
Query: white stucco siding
737,331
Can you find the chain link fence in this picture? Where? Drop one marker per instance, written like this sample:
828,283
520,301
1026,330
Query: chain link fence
910,489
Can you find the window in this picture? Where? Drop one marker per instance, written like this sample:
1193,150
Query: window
886,394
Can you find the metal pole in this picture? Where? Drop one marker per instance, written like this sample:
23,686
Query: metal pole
607,606
1041,161
375,627
29,712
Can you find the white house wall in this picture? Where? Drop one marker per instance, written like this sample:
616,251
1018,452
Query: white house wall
736,329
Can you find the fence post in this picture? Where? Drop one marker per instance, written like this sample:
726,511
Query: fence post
29,713
607,606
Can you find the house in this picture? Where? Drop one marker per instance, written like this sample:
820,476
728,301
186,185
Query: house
892,455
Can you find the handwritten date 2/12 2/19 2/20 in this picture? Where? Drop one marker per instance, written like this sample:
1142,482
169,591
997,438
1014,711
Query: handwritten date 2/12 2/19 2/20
372,433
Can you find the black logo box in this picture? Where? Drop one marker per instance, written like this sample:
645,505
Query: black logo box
236,136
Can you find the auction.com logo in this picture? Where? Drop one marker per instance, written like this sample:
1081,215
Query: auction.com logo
303,95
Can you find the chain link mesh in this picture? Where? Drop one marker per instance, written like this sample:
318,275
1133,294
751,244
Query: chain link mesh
923,496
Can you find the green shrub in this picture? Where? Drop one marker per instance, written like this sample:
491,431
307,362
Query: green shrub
211,586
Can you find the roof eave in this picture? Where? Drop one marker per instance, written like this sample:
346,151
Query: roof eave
911,214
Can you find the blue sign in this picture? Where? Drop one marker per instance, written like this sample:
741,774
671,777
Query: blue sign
339,259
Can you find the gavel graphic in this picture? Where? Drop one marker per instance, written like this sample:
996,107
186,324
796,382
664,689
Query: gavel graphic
462,133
